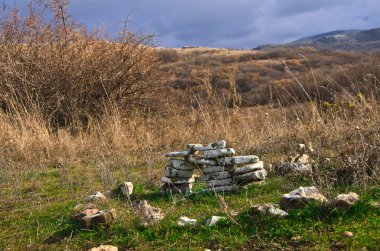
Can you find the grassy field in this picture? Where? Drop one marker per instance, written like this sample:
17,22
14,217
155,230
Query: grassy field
36,210
81,113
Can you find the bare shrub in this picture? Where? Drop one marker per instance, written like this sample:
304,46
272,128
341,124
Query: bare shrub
60,69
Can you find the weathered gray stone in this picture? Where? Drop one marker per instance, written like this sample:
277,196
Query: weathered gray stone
214,220
185,221
148,214
299,197
240,160
181,164
215,169
178,154
251,176
268,209
98,196
249,168
170,172
102,217
217,183
201,161
287,168
218,175
343,202
219,153
126,189
199,147
104,248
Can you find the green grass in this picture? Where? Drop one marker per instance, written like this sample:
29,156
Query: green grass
36,209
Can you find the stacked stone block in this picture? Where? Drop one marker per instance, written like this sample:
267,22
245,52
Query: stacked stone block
219,168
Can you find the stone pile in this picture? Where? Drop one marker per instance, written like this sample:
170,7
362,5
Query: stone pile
219,168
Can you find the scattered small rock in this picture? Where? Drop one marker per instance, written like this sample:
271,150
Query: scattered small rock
296,238
214,220
376,204
185,221
86,212
343,201
148,213
105,248
301,196
93,217
126,189
98,196
348,234
268,209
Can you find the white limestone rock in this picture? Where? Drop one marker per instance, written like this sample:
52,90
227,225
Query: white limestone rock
185,221
98,196
249,168
180,164
343,202
214,220
126,189
213,146
240,160
258,175
201,161
178,154
300,196
215,169
149,215
268,209
210,154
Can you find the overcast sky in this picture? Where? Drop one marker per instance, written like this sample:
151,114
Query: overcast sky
227,23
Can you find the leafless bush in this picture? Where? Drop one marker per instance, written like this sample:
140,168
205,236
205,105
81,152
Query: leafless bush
67,74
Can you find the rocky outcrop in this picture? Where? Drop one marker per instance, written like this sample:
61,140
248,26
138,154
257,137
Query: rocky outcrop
301,196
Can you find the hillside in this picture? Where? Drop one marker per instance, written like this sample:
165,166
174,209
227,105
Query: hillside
350,40
264,76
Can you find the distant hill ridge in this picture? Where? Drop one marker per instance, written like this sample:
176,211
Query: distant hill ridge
355,40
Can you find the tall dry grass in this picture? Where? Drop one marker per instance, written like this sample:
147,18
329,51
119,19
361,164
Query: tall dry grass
70,98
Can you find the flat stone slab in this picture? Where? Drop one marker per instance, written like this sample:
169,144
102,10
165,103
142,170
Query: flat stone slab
240,160
171,172
180,164
258,175
178,154
202,161
215,169
300,196
249,168
218,176
210,154
199,147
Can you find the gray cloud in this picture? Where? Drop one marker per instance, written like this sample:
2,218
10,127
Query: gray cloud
226,23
